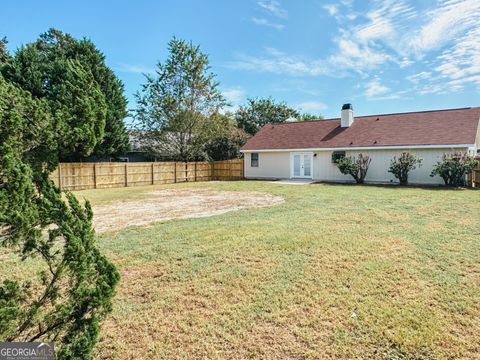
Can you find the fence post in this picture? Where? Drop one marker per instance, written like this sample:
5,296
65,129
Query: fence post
60,176
195,170
94,175
175,172
126,174
153,181
213,170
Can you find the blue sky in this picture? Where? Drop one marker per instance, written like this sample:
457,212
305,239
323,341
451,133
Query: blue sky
382,56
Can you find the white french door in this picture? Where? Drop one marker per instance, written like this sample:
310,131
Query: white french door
301,165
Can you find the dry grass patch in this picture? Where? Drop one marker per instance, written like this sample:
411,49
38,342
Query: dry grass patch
171,204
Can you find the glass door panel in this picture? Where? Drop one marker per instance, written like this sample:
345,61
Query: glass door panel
307,165
296,165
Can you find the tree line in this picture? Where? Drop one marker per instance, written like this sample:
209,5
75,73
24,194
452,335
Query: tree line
179,114
182,114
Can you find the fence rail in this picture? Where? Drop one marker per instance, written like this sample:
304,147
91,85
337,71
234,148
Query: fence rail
80,176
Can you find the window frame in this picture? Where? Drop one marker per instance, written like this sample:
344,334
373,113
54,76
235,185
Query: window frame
254,162
337,155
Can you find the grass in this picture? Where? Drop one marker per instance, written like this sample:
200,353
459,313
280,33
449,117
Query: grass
337,271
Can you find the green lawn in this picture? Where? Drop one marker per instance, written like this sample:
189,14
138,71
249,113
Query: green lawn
337,271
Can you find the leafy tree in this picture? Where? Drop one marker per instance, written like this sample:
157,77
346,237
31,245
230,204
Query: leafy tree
226,139
175,107
401,166
72,291
258,112
357,167
72,75
454,168
309,117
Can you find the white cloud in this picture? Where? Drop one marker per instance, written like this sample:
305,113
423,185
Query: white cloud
416,78
356,56
265,22
234,96
278,62
134,68
389,97
311,106
273,7
461,63
275,52
369,43
332,9
442,42
431,89
374,88
403,63
351,56
342,11
444,23
453,28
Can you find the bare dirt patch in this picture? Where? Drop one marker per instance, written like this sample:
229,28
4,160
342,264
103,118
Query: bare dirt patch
171,204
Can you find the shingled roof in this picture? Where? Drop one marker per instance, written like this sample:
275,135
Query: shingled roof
437,127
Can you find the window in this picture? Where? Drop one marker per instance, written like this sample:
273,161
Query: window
337,155
254,160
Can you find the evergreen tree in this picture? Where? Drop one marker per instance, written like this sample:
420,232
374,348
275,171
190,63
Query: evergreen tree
4,55
72,291
98,106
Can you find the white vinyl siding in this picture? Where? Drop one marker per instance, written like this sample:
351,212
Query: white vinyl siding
270,166
278,165
325,170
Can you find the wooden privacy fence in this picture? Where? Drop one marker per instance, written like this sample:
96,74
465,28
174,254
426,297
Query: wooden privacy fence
80,176
474,178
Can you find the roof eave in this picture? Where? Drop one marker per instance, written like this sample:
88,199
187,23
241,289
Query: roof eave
392,147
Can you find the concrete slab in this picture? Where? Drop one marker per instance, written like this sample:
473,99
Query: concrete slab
294,182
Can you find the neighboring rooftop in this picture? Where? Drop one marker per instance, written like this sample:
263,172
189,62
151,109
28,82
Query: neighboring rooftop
435,127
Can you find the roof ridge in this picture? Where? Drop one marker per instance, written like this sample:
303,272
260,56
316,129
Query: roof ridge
421,111
373,115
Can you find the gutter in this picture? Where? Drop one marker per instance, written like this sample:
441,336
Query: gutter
449,146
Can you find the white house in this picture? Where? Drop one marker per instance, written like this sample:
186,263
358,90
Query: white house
308,149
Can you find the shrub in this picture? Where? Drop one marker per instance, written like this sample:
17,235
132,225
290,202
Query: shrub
357,167
401,166
454,167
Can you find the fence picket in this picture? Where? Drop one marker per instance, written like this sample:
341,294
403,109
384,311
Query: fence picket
80,176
